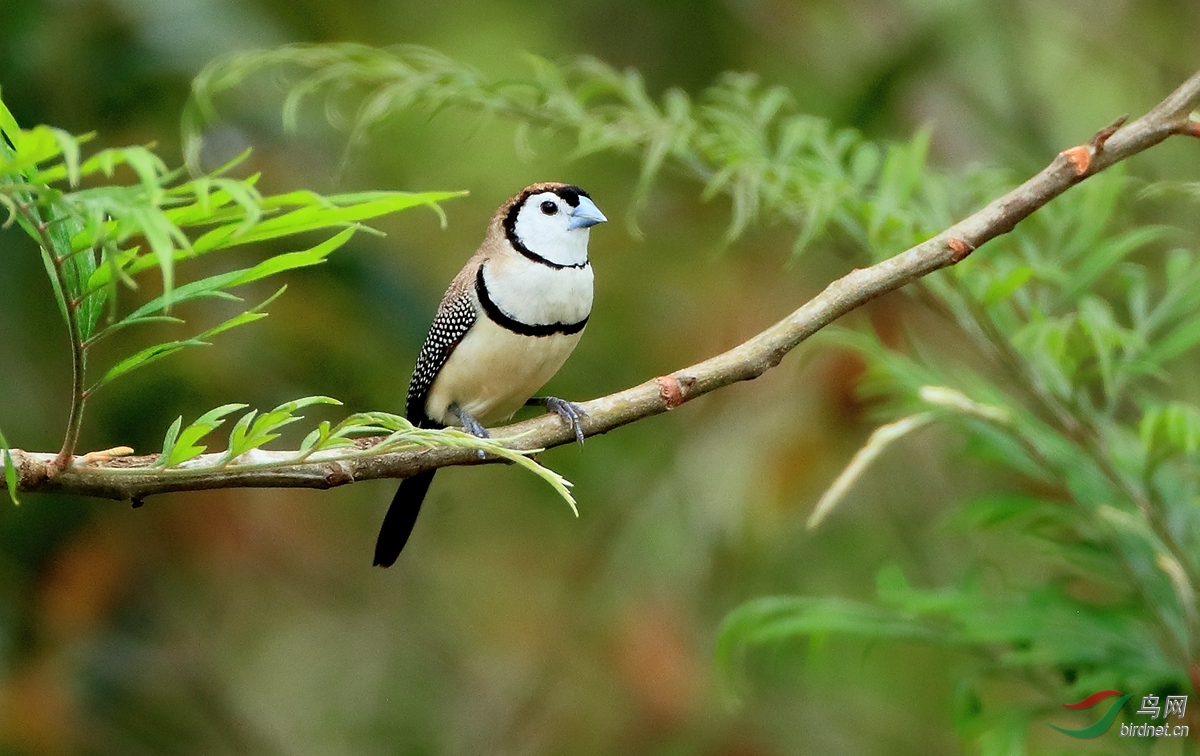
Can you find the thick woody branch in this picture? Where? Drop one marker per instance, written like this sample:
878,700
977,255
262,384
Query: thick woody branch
133,478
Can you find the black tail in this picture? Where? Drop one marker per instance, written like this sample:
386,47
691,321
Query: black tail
400,517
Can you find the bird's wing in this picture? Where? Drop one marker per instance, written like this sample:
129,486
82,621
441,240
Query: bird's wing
455,316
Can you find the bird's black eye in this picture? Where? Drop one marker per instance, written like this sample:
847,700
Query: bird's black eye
549,207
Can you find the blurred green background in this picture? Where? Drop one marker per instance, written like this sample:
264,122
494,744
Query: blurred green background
251,621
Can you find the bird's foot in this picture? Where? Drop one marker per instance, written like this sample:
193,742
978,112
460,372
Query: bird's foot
570,412
470,425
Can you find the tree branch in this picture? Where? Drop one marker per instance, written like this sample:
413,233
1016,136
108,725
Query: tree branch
134,478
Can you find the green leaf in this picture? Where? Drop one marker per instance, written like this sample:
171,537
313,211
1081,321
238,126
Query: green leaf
252,433
169,442
214,285
1170,429
10,469
881,438
775,620
104,332
162,236
1175,343
32,146
9,127
1000,289
1020,510
1179,264
187,446
1097,321
69,146
143,358
1100,259
1090,214
56,287
315,218
249,207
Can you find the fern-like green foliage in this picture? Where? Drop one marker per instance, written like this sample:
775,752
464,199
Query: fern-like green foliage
1073,322
1078,318
99,222
743,140
182,447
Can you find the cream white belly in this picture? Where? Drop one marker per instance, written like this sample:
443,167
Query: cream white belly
516,367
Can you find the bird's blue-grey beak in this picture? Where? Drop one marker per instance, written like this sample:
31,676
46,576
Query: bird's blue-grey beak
586,214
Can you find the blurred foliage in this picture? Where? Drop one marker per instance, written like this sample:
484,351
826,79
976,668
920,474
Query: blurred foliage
742,139
1074,345
1071,400
248,621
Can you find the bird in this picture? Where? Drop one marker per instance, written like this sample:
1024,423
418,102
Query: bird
507,323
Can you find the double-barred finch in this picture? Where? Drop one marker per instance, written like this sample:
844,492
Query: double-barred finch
508,322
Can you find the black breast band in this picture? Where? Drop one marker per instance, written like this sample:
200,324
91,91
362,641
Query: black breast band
506,321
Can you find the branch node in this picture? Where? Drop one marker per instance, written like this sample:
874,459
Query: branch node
670,391
60,463
959,248
1190,128
1103,134
338,475
137,502
106,455
1080,158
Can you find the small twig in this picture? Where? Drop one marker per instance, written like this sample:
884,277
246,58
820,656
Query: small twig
78,366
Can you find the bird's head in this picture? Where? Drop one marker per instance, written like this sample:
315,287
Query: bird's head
551,221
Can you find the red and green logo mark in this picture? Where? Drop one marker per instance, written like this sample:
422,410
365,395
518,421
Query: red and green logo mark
1101,726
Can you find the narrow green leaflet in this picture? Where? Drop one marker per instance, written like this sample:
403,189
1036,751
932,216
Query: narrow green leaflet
214,285
169,441
1179,340
241,218
8,126
158,351
143,358
252,432
108,331
1170,429
33,146
315,218
1000,289
1101,258
59,296
10,471
784,619
182,445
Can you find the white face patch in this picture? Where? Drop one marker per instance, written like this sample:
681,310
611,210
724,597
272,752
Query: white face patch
543,227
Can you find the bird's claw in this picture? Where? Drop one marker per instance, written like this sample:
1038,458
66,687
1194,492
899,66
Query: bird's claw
570,413
472,426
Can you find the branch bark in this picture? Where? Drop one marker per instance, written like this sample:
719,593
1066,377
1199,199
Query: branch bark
133,478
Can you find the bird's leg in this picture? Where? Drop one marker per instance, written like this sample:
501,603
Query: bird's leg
470,424
568,411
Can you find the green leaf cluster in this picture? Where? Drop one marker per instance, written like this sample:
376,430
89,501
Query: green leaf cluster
327,442
743,140
1070,328
102,220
